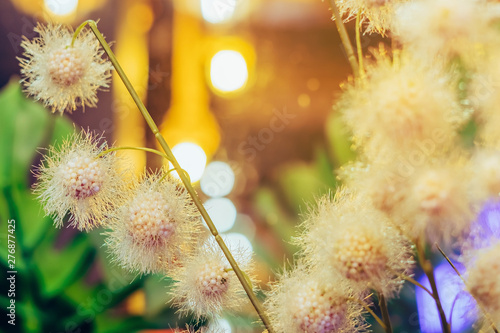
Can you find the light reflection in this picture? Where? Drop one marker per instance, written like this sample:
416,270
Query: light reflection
239,243
61,7
217,180
217,11
222,211
228,71
191,158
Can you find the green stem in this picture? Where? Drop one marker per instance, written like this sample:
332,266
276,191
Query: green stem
149,150
486,314
429,271
367,308
344,37
358,45
418,284
385,312
183,176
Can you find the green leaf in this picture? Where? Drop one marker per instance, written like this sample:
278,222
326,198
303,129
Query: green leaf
156,289
24,127
32,223
58,269
106,323
339,141
301,185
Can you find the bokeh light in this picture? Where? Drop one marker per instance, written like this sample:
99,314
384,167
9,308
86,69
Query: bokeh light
191,158
217,180
217,11
61,7
235,240
220,326
228,71
453,299
222,211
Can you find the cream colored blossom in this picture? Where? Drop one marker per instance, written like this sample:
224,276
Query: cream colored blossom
485,166
306,302
376,15
155,228
347,236
402,107
62,76
74,178
483,282
446,28
206,285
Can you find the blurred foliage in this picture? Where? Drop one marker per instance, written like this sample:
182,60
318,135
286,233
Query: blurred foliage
64,280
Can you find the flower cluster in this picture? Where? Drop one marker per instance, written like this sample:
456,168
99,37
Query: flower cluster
61,74
152,224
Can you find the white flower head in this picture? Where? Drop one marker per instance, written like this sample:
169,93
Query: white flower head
449,28
387,122
207,285
482,280
74,178
155,228
349,237
307,302
439,206
60,75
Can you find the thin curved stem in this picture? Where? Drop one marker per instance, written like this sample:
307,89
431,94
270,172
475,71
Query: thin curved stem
418,284
149,150
385,312
367,308
429,271
344,37
358,45
182,175
485,313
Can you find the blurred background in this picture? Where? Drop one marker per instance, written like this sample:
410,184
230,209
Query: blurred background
243,91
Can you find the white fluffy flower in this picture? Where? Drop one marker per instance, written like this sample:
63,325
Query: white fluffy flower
207,285
483,280
447,28
308,302
347,236
155,228
74,178
62,76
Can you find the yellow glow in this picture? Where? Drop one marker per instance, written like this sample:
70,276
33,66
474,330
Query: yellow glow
191,158
228,71
189,117
304,100
230,64
131,49
61,7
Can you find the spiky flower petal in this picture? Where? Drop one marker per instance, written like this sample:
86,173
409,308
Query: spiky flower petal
62,76
74,178
347,236
155,228
207,285
305,302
